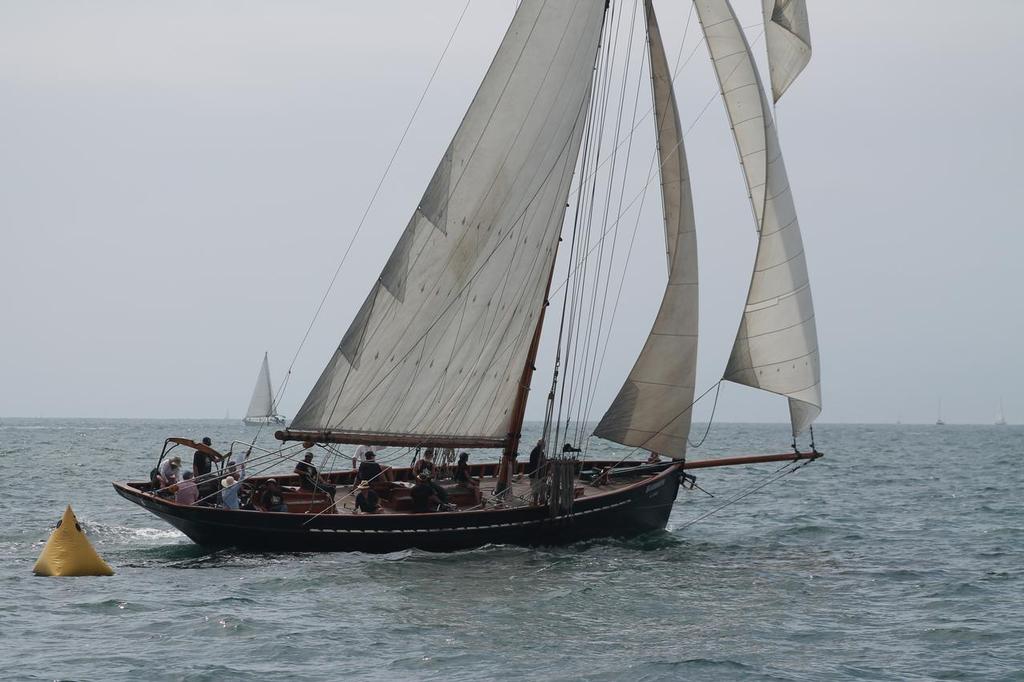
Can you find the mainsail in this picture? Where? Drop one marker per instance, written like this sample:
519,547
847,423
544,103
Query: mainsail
653,408
776,347
787,34
262,403
438,348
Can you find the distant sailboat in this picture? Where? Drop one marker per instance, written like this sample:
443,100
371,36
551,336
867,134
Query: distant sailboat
261,406
939,422
1000,417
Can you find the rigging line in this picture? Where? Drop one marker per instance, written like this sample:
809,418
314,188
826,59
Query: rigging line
512,226
639,196
572,247
625,268
369,205
711,420
220,475
580,217
791,467
675,74
468,396
459,400
465,286
583,373
204,478
577,373
595,367
667,424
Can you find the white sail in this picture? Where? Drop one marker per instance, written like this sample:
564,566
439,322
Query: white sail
787,34
653,408
439,346
262,402
776,347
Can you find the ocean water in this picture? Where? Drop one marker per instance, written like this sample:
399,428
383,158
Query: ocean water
898,556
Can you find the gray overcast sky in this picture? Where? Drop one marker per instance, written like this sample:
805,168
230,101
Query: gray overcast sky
179,180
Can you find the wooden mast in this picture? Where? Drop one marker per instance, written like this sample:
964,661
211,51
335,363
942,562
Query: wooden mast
515,434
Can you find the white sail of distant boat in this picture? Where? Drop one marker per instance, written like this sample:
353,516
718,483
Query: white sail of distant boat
939,421
261,407
1000,415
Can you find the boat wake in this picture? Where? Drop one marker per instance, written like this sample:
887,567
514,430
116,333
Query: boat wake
104,534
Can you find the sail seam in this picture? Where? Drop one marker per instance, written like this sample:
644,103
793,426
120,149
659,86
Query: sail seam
782,329
497,241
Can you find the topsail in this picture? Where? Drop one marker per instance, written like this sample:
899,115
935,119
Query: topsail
788,36
776,347
653,408
439,346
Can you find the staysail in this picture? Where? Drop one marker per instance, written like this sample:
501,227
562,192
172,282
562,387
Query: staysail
776,347
653,408
262,402
437,351
787,34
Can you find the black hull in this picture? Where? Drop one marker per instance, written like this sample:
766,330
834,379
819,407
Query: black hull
625,512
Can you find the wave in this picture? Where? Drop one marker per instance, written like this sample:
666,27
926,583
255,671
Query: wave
101,533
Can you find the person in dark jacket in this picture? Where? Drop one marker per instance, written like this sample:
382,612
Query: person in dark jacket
272,498
367,499
309,477
537,472
371,472
424,495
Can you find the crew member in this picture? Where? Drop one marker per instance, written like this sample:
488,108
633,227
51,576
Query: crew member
272,499
367,499
309,477
424,495
537,472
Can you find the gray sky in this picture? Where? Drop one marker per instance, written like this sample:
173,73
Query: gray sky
178,182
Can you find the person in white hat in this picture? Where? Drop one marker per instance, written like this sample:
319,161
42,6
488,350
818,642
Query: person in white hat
367,499
170,471
229,494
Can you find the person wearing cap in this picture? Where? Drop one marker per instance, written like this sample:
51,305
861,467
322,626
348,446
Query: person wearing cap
272,499
371,471
170,471
360,454
188,491
229,494
309,476
424,495
367,499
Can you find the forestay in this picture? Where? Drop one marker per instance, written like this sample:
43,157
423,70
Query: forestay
776,347
788,37
653,409
439,345
262,402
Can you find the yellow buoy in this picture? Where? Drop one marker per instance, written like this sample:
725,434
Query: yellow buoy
68,552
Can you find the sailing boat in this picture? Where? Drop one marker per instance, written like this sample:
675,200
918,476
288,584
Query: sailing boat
939,421
1000,416
441,354
261,405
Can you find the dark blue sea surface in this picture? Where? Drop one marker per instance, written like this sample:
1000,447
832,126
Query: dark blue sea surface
898,556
